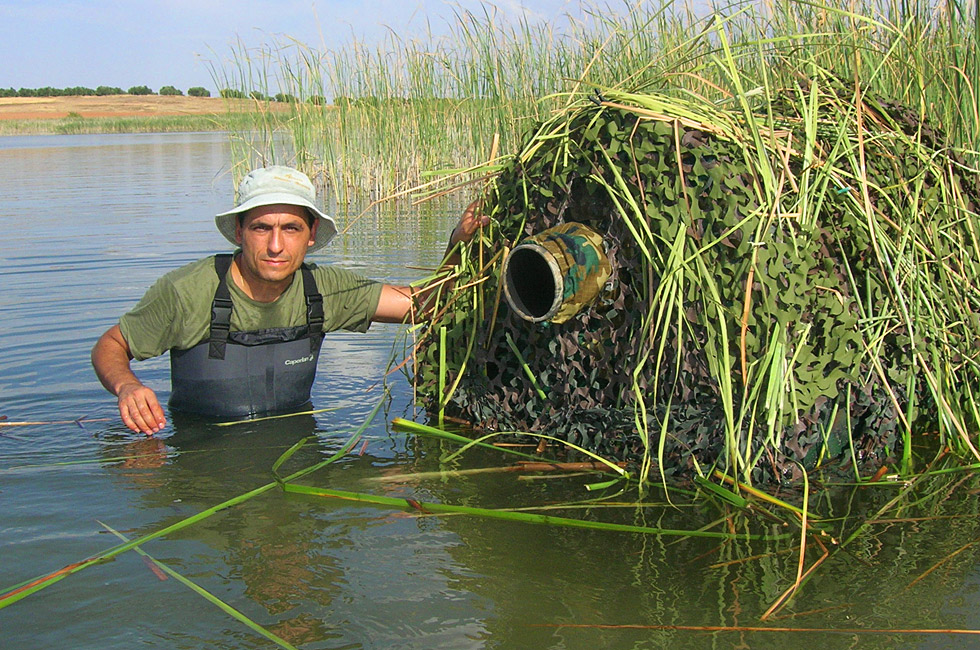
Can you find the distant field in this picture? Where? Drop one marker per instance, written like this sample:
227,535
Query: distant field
123,113
40,108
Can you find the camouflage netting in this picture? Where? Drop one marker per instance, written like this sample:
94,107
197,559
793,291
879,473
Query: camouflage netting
691,213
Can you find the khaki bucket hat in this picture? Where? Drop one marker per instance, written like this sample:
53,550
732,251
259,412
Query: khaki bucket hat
272,185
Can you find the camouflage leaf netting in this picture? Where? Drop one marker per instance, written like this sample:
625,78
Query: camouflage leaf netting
771,305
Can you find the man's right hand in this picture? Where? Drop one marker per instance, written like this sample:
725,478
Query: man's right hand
140,409
138,405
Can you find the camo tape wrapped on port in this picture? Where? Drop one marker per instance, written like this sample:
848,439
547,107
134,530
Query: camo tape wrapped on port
554,274
679,212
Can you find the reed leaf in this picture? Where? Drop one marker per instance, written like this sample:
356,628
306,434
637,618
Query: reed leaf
204,593
423,429
275,417
596,458
509,515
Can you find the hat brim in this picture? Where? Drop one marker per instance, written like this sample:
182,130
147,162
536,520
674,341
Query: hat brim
227,222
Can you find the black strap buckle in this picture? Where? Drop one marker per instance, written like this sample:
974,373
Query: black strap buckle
314,302
314,308
221,309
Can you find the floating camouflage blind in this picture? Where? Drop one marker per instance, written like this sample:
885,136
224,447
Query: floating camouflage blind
767,306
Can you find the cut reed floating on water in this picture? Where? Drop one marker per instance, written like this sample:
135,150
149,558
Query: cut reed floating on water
4,422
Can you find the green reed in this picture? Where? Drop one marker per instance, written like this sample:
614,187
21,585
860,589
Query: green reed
375,117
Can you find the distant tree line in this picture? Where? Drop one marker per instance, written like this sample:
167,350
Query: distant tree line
232,93
78,91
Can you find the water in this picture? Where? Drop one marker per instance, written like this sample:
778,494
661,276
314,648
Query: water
90,221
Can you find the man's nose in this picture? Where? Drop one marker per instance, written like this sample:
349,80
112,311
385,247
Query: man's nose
276,240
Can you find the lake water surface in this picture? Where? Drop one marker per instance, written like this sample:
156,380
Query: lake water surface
89,222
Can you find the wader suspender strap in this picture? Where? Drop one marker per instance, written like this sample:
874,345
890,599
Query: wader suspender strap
221,308
314,307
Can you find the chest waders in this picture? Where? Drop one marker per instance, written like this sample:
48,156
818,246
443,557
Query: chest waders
241,374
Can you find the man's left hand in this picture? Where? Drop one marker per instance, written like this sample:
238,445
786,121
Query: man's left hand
397,303
472,220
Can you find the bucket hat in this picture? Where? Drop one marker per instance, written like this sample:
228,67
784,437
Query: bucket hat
272,185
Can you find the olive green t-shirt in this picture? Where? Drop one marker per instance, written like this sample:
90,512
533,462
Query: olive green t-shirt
175,313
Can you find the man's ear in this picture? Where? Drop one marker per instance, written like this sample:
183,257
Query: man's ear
238,230
316,224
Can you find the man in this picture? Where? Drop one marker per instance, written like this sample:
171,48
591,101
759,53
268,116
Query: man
244,330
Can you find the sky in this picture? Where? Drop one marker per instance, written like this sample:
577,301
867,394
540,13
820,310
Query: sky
125,43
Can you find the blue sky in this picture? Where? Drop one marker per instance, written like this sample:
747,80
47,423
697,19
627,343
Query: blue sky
126,43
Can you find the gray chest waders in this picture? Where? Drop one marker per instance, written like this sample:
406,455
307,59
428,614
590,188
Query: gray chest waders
242,374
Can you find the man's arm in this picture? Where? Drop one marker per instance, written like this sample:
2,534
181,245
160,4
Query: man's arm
397,303
138,405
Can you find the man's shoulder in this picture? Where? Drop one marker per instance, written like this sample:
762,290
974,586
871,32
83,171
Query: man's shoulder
350,299
186,286
329,276
191,275
174,312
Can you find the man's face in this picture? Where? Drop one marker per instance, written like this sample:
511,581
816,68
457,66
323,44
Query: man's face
274,241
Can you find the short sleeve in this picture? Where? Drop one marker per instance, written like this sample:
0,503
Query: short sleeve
349,300
149,327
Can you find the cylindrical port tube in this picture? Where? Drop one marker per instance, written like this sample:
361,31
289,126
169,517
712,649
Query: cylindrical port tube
554,274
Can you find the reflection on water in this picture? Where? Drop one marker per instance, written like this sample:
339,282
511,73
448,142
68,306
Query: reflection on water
91,221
